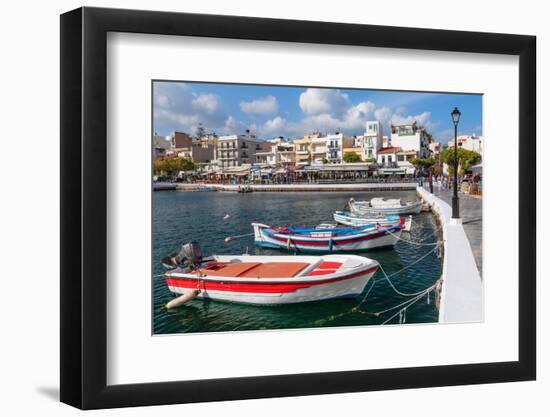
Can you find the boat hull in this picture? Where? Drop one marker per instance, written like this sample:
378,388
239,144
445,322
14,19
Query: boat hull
350,219
364,210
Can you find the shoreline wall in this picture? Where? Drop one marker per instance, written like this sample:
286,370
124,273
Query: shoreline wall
461,298
305,187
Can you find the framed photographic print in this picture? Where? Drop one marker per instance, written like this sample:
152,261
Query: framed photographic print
257,208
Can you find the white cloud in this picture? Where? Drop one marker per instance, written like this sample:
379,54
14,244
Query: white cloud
209,103
264,105
162,101
232,126
274,126
357,116
421,119
323,101
384,115
177,107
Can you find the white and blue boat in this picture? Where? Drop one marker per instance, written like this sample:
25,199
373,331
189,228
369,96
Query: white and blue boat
351,219
381,207
326,239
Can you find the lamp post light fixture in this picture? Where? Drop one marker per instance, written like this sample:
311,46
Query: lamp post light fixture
456,118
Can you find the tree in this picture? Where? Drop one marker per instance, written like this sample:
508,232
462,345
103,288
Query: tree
172,166
200,132
351,157
370,160
423,164
325,161
466,159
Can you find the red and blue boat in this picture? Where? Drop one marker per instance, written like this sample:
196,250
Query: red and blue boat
328,239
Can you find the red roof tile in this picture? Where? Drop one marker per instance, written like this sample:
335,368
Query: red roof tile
391,149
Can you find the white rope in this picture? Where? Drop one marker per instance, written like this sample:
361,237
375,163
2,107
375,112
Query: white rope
401,270
403,309
412,242
368,292
427,290
238,236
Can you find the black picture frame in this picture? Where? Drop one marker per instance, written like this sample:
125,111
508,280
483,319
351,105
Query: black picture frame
84,207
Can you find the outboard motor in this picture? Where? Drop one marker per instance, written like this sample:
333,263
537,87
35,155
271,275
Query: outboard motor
191,253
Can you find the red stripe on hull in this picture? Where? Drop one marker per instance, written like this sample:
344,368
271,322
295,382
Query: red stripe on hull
255,287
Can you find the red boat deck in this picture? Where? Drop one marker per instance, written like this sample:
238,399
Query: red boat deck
267,269
255,269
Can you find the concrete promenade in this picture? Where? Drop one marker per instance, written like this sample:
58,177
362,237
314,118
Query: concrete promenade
470,209
381,186
462,288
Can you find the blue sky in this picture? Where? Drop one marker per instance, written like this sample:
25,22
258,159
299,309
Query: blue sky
270,111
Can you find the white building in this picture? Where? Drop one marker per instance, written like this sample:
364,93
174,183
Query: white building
411,138
470,142
394,160
372,139
319,149
280,153
236,150
335,144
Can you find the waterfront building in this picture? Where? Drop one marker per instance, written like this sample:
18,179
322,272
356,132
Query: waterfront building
355,150
161,146
411,137
373,140
180,141
318,149
394,160
435,148
236,150
335,144
303,149
281,153
470,142
198,150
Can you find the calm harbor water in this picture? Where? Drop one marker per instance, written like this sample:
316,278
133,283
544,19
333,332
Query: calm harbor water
180,217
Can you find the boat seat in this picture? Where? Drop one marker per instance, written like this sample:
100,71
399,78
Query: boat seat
329,265
325,268
317,272
275,270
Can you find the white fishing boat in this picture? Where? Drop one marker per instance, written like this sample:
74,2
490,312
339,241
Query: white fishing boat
351,219
381,207
269,280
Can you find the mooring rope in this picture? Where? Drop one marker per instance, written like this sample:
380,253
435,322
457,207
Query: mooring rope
412,242
404,309
403,269
407,303
230,238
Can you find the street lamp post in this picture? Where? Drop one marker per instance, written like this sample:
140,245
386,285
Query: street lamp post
456,118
